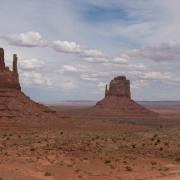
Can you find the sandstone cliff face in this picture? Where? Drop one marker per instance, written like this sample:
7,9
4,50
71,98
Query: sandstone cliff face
118,102
17,109
8,79
119,87
2,64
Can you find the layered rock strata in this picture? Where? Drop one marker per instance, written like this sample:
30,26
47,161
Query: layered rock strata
118,102
17,109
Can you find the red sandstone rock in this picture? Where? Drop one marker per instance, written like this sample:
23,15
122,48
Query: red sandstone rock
2,64
16,109
119,87
8,79
118,102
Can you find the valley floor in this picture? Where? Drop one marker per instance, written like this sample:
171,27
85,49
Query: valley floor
98,149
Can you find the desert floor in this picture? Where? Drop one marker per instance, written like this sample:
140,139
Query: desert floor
94,149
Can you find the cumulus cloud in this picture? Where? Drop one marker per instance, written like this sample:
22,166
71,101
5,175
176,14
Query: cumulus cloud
74,48
69,68
28,39
89,55
66,47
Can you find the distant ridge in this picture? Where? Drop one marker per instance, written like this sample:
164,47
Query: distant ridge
93,102
163,104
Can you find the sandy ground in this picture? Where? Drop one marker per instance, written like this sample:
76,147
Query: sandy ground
93,149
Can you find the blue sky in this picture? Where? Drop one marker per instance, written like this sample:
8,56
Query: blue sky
69,49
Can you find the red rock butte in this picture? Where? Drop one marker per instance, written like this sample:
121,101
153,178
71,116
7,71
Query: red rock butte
118,102
17,109
8,79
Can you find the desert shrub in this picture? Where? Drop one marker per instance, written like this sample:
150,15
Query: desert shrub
177,159
125,162
152,139
32,149
155,135
47,174
157,142
97,137
133,146
154,163
128,168
107,161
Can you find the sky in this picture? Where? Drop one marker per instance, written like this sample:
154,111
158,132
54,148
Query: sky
70,49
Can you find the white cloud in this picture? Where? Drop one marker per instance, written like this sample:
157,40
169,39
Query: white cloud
89,55
101,86
138,84
31,64
74,48
88,77
28,39
69,68
92,53
96,59
66,47
119,60
35,78
68,84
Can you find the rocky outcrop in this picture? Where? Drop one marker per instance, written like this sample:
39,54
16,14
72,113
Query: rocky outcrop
119,87
9,78
118,102
17,109
2,64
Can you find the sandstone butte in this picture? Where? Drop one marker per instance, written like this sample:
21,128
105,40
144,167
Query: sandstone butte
118,102
17,109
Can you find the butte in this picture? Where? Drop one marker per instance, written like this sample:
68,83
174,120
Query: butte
117,102
17,109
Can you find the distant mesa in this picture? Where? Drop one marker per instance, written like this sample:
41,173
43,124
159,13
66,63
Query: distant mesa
118,102
17,109
119,87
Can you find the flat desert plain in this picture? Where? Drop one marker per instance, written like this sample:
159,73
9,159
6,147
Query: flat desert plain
90,148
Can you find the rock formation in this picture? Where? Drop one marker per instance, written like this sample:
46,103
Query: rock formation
118,102
8,79
16,109
119,87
